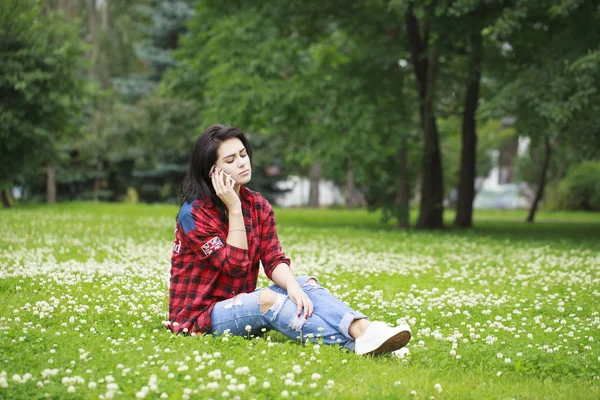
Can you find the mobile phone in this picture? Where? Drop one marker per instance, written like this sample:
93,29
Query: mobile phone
226,176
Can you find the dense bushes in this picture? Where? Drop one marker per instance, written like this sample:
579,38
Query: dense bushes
580,189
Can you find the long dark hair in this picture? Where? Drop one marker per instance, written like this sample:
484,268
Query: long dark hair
197,183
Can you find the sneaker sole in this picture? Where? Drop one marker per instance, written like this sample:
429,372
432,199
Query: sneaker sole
394,343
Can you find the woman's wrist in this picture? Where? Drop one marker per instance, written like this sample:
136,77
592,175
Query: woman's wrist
235,210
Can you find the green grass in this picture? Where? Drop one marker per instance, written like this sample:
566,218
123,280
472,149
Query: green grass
83,292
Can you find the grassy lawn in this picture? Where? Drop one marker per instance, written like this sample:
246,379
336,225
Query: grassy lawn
506,310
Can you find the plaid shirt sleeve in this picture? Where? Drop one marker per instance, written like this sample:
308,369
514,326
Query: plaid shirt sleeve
271,254
209,242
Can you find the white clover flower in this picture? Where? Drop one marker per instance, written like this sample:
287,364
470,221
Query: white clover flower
266,384
499,373
248,328
438,388
285,394
315,377
215,374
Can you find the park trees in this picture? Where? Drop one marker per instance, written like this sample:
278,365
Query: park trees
41,88
548,74
372,94
303,64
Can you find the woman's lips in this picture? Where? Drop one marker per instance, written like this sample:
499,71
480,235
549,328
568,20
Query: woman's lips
245,172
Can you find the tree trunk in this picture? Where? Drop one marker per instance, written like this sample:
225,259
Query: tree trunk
98,181
354,198
402,200
5,196
93,34
542,181
314,176
350,187
561,174
105,15
50,184
424,58
468,158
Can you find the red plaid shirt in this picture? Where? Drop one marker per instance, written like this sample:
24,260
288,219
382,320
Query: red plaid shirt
205,269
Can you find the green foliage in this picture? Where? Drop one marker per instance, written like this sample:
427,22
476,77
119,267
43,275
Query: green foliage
580,189
41,87
165,21
336,96
549,64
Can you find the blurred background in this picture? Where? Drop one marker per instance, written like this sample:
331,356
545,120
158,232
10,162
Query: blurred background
382,104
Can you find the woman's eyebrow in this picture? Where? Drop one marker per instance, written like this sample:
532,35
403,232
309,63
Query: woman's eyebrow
231,155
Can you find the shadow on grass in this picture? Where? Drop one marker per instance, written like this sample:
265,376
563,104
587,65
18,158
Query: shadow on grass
564,229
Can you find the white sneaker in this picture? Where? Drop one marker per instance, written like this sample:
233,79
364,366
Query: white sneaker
380,338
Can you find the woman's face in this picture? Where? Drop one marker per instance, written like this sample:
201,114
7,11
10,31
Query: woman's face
233,159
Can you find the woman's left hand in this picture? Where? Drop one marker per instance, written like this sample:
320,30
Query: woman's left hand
297,295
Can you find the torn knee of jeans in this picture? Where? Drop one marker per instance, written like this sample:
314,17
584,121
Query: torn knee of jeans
297,322
236,301
277,304
311,282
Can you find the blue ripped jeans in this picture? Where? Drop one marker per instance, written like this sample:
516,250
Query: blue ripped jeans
331,318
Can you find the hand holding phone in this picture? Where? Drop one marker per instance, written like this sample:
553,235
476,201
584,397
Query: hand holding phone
223,184
227,179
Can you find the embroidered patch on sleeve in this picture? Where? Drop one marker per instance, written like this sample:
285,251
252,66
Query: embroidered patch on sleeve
212,245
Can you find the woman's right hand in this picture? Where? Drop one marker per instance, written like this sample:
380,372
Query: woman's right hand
223,185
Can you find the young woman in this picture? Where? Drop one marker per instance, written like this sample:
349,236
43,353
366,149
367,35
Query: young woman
223,231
